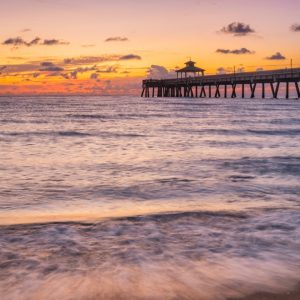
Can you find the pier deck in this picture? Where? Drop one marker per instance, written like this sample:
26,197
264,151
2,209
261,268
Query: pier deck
228,85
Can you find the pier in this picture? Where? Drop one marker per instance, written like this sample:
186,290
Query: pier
246,84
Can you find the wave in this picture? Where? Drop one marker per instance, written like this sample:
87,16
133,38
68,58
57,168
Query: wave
15,121
87,116
72,133
163,217
178,255
280,165
45,133
105,134
116,116
275,132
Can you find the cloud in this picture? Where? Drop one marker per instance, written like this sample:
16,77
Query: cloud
73,74
2,68
157,72
32,67
276,56
221,71
18,41
50,67
65,75
34,42
237,29
295,27
53,73
84,60
47,64
86,69
117,39
26,30
109,69
35,75
88,46
52,42
19,68
259,69
94,76
129,57
16,57
235,51
80,60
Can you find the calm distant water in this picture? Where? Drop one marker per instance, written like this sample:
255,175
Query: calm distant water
129,198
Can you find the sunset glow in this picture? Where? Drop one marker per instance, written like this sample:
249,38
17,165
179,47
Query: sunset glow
97,47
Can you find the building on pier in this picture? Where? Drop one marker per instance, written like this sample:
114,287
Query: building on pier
190,68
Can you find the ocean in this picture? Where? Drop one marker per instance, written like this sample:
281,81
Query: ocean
131,198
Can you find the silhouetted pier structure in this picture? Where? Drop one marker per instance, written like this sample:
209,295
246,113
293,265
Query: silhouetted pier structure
225,85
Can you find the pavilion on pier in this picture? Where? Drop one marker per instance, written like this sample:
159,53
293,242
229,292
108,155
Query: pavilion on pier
190,68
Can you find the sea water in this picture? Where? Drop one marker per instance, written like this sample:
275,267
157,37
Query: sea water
130,198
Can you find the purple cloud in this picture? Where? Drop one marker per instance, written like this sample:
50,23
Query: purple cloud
295,27
52,42
18,41
117,39
235,51
237,29
99,59
94,76
276,56
129,57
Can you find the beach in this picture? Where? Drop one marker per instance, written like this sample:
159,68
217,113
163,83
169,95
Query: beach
130,198
292,295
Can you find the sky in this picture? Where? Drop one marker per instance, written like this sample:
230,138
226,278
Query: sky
53,47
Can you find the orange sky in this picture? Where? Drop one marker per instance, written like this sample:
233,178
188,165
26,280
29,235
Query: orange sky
108,47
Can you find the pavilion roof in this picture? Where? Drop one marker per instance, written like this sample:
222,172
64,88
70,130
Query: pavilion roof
190,62
190,69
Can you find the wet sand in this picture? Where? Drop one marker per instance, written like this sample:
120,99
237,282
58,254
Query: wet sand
292,295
